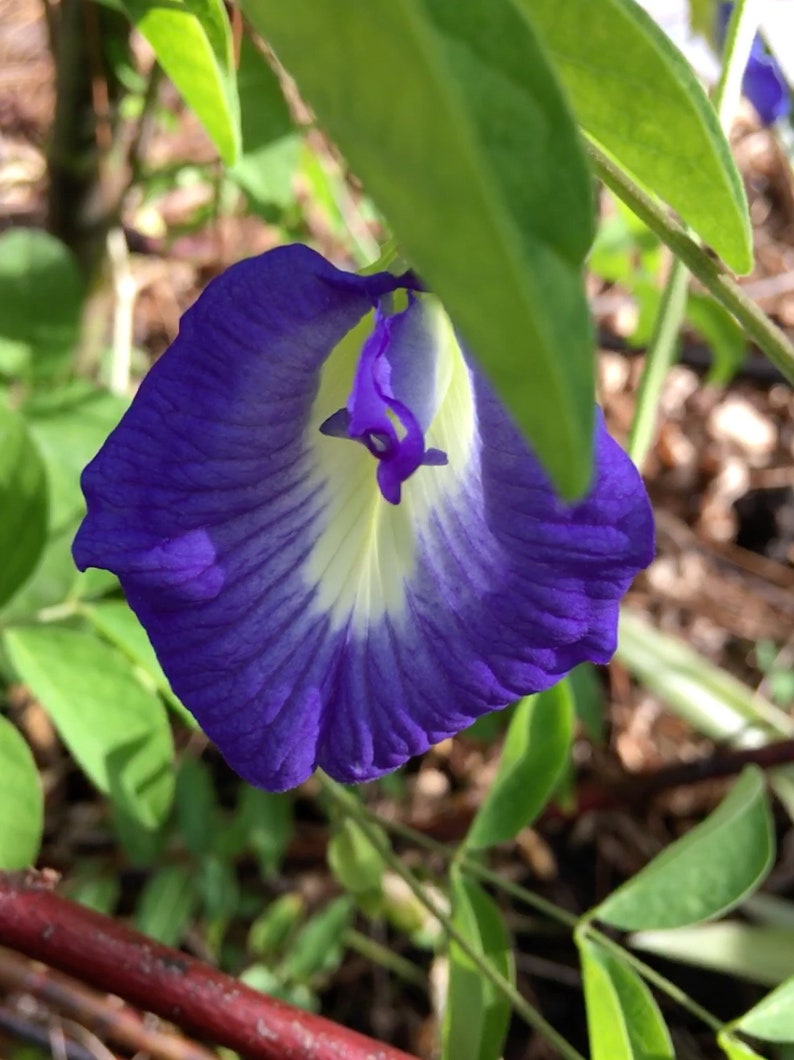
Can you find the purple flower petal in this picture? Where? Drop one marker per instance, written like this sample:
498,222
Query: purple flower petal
304,619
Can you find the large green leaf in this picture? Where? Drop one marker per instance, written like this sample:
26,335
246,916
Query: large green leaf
193,43
41,294
633,91
21,801
623,1020
23,503
452,117
116,730
477,1015
708,871
534,754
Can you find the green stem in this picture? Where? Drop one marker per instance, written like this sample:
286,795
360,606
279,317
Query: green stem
352,808
741,30
474,868
712,274
386,958
661,354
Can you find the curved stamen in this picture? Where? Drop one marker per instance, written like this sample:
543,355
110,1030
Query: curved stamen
372,409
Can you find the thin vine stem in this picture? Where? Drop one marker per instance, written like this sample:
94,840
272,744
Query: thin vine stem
582,924
712,274
354,810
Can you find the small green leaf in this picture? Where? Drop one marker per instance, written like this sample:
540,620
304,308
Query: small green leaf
271,145
21,801
166,904
116,622
723,335
41,294
353,860
759,954
710,870
623,1020
633,91
192,40
23,502
482,174
271,929
533,757
477,1015
319,945
117,731
772,1019
195,806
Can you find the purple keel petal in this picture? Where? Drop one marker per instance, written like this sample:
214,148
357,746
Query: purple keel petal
303,619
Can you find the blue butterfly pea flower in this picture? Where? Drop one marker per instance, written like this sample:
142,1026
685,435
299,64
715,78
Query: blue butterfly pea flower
341,547
763,82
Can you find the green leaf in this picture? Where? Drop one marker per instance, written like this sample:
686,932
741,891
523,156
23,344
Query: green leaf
710,870
21,801
772,1019
23,502
193,43
623,1020
452,117
271,145
272,928
477,1015
116,730
353,860
166,904
68,426
736,1050
534,754
723,335
41,295
319,945
634,92
195,806
759,954
116,622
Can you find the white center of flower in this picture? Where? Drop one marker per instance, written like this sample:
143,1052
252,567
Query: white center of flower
366,549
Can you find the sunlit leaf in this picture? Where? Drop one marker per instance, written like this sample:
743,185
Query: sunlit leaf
705,873
193,43
623,1020
481,173
736,1050
634,92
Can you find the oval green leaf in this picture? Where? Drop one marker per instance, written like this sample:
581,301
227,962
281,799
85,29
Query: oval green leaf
192,40
21,801
534,754
477,1015
634,92
772,1019
41,294
23,502
710,870
623,1020
452,117
116,730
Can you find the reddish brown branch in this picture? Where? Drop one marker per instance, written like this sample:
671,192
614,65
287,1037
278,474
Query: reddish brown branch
107,955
